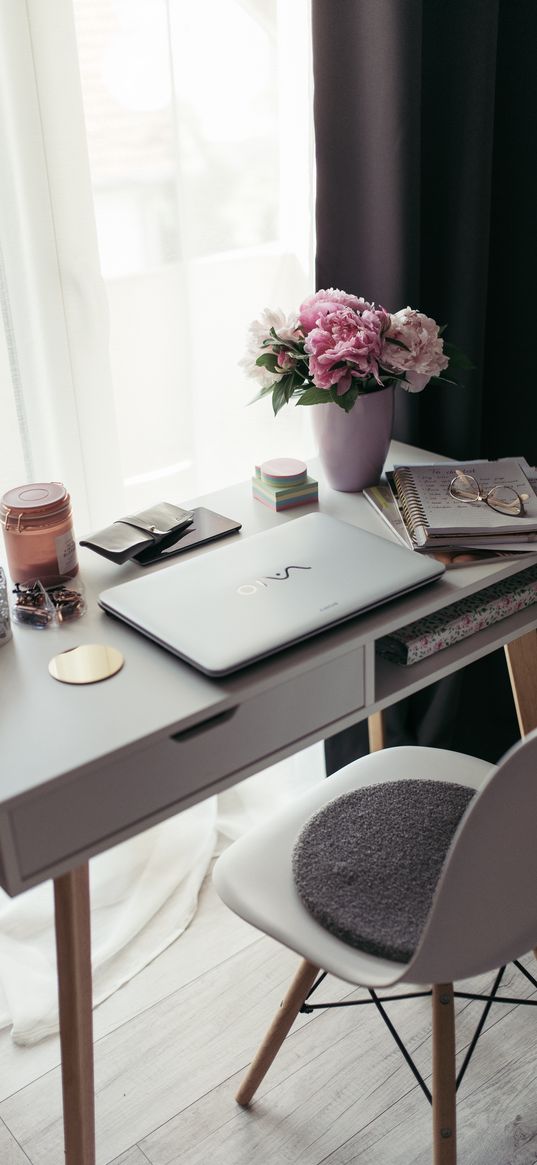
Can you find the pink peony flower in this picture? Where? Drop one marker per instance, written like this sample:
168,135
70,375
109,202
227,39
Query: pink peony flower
345,345
423,354
316,306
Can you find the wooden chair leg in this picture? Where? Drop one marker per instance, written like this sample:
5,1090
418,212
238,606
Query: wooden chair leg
73,946
444,1098
522,664
282,1022
375,727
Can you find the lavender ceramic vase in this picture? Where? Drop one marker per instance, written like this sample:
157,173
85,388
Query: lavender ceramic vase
353,446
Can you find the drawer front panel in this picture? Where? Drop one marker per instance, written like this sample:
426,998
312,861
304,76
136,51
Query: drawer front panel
105,803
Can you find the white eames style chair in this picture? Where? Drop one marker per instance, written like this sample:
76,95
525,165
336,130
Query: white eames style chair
483,914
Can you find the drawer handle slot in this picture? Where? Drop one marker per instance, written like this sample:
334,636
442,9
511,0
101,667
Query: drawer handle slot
206,725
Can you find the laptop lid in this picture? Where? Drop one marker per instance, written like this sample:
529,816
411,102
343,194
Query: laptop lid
232,606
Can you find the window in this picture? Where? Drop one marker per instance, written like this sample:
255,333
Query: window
163,209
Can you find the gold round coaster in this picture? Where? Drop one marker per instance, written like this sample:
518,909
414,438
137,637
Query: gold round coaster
86,664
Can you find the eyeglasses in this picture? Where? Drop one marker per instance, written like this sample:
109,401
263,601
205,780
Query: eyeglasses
504,499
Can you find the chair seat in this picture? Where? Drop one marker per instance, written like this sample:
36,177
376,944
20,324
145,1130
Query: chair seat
366,865
423,857
254,877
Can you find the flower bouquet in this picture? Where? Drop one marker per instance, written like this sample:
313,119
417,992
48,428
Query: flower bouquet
340,347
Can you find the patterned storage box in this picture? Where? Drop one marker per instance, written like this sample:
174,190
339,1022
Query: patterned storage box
460,619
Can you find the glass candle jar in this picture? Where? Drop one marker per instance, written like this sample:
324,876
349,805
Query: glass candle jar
38,533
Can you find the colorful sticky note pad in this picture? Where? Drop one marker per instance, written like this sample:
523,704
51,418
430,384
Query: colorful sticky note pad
283,482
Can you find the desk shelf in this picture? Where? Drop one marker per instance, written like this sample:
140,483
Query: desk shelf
395,681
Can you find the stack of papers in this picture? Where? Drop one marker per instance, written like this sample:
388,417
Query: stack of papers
416,504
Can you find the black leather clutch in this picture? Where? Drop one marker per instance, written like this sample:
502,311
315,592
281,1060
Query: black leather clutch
151,530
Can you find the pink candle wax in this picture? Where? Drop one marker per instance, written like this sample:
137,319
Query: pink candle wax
38,533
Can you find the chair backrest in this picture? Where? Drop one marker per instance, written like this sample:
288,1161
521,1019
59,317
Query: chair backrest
484,912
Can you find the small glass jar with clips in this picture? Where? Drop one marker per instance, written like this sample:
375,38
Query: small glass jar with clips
38,533
5,623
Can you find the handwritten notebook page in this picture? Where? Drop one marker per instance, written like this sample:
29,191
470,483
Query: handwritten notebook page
425,489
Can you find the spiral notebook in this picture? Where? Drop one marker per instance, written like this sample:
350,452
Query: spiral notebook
434,518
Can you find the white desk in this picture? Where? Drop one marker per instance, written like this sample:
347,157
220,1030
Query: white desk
85,767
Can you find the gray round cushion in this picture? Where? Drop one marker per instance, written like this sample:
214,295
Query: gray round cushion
366,865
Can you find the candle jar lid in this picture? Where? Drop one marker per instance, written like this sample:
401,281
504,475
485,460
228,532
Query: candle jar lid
33,504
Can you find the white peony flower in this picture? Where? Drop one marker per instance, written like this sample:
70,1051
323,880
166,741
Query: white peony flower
259,331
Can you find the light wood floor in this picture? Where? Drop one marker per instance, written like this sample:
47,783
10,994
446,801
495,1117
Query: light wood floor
172,1044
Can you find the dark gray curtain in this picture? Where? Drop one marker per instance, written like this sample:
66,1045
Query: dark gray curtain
426,166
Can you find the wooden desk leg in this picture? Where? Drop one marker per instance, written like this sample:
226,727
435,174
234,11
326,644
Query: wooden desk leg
73,946
522,664
521,657
375,728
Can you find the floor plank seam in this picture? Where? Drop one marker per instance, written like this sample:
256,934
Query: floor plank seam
261,1094
144,1011
184,986
318,1055
17,1143
124,1023
500,1070
130,1019
234,1113
362,1128
34,1080
369,1123
129,1150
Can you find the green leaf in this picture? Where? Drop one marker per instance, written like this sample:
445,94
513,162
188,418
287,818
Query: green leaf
290,345
396,343
262,392
291,383
314,396
390,378
268,360
444,380
347,399
278,396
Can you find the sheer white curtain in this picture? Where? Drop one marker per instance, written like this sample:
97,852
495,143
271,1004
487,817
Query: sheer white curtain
198,120
156,194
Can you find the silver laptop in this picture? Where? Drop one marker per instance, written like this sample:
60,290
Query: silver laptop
234,605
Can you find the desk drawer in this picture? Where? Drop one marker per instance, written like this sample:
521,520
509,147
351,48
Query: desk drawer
101,806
